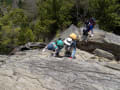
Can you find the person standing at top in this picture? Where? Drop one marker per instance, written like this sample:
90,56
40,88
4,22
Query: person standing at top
88,30
91,25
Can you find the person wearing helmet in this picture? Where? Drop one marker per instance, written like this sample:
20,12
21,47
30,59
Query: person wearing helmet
55,46
71,44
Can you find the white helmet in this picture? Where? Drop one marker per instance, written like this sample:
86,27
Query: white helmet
68,41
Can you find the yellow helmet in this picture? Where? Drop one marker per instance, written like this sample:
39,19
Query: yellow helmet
73,36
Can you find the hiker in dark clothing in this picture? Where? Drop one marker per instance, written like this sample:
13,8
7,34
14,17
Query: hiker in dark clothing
89,25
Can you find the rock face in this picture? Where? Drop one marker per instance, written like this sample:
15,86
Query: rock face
28,46
102,40
71,29
103,53
35,70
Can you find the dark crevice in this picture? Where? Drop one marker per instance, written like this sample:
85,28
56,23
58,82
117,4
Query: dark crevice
91,46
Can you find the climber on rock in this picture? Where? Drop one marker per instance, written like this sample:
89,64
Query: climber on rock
70,45
55,46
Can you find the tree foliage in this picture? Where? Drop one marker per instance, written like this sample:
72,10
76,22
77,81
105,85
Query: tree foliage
6,2
14,30
107,13
53,16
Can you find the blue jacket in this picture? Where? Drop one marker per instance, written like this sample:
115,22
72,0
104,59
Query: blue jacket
52,46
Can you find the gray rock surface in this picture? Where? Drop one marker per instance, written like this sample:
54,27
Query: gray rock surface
71,29
103,53
102,40
36,70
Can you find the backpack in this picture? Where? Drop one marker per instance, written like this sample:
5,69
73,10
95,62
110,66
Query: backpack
60,43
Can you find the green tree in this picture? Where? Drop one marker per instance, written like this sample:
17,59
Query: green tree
14,30
106,11
54,15
20,3
79,11
25,35
15,17
6,2
8,38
